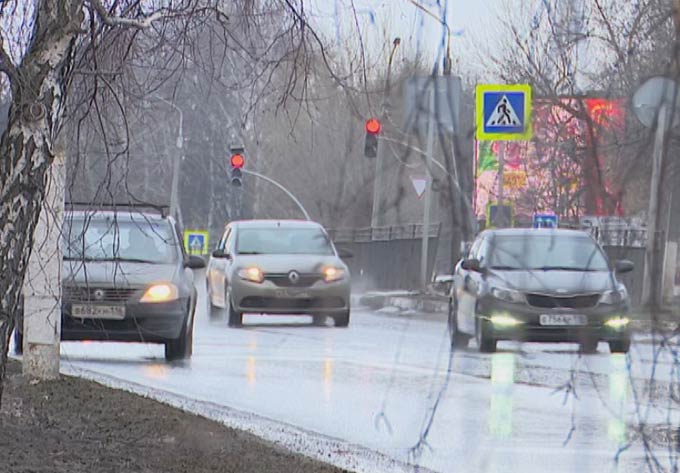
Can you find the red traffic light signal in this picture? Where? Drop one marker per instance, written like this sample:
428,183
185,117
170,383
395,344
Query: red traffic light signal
373,126
237,161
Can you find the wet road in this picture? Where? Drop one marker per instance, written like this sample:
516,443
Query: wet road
389,384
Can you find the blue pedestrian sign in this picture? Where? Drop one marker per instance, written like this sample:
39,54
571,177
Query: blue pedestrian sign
503,112
196,242
545,221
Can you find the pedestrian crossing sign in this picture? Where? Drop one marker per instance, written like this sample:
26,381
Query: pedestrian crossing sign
503,112
196,242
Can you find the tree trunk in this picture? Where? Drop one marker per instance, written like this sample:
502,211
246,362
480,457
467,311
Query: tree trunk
26,148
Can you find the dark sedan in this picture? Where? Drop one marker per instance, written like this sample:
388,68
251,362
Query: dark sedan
539,285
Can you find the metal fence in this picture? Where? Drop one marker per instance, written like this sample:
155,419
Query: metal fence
386,258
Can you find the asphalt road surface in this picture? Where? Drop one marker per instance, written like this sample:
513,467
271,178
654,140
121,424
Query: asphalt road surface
390,384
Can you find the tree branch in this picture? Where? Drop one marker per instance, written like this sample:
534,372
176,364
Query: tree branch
137,23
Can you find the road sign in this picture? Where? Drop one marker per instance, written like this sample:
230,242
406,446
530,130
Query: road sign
503,112
447,89
500,216
515,179
419,184
196,242
545,221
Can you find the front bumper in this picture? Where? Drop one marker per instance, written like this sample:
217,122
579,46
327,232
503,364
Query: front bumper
530,329
267,298
155,323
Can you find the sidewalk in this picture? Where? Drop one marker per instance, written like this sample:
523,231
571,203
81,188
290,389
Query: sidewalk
78,426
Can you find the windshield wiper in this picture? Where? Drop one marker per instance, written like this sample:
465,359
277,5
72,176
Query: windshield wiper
506,268
109,260
249,252
562,268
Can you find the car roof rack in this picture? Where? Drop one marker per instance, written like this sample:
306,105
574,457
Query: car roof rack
164,210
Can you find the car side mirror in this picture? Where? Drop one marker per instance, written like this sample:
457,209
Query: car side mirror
195,262
472,264
344,254
220,254
624,266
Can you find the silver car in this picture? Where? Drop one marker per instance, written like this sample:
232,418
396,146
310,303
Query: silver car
278,267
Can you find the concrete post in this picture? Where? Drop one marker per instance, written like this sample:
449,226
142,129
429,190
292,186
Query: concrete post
42,284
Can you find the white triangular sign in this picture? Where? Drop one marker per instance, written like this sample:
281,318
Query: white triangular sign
419,184
196,243
503,115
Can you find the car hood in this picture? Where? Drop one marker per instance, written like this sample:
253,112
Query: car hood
553,281
112,273
287,263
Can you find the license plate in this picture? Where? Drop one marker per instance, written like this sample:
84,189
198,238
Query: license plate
84,311
293,294
563,319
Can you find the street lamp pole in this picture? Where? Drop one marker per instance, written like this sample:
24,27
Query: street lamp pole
280,186
179,156
379,162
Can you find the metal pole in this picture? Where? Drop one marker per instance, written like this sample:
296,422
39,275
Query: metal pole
501,168
650,295
379,161
428,193
280,186
179,156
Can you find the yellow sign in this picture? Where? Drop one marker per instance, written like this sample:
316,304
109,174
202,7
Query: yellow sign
503,112
196,242
514,179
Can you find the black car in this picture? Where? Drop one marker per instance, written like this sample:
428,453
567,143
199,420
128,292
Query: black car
126,277
539,285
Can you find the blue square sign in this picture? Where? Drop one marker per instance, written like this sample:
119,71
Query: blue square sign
503,112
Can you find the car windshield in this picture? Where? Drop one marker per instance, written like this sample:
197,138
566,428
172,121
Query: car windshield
546,252
288,241
115,240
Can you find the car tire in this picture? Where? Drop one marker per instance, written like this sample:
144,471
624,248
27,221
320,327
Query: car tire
589,345
234,318
181,347
457,338
319,320
341,320
485,342
18,342
619,346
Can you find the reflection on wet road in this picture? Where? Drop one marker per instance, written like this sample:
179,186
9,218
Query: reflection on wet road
375,384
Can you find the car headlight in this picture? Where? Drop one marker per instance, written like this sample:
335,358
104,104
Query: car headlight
331,273
162,292
615,296
509,295
504,320
617,322
252,274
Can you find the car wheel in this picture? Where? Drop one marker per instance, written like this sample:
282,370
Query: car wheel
341,320
319,320
619,346
458,339
589,345
235,319
18,342
485,342
181,347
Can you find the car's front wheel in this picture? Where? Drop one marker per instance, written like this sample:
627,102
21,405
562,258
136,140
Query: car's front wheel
619,346
589,345
181,347
235,318
458,339
342,320
485,342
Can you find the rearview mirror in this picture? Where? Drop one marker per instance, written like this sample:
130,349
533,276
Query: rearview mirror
472,264
220,254
195,262
624,266
343,253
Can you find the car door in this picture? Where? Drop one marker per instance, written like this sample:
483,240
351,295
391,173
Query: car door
216,272
461,279
470,286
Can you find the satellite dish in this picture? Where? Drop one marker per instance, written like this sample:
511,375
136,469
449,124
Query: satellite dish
651,95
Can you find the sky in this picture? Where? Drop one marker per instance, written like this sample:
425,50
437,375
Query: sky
474,24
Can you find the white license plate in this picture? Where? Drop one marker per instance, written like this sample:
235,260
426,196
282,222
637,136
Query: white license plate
563,319
92,311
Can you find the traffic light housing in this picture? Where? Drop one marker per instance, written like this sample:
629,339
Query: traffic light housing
237,161
372,131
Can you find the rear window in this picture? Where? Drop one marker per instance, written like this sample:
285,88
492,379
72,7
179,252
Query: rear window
288,241
110,239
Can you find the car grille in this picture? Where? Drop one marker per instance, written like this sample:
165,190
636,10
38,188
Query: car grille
283,279
96,294
566,302
255,302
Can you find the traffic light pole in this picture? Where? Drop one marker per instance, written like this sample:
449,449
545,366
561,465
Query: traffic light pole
428,194
280,186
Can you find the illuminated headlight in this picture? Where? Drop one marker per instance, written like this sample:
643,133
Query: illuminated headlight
617,322
614,297
504,320
163,292
251,274
509,295
331,273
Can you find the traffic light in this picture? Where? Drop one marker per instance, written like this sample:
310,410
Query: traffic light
372,130
237,161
